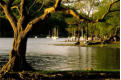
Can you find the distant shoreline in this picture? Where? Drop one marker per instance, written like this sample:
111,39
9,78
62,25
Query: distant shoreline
111,45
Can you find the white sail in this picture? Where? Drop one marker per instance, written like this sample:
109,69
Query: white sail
55,33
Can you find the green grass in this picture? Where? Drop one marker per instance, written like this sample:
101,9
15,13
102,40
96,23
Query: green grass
112,45
105,45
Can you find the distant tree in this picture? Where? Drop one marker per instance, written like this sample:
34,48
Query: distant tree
87,8
96,9
72,26
111,27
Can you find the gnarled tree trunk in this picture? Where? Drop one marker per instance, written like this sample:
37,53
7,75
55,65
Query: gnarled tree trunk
17,59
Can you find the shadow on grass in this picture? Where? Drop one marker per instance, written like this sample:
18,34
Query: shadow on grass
61,75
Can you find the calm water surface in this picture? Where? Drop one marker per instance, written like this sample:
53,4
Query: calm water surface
43,55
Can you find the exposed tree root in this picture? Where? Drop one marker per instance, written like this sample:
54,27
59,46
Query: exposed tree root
12,66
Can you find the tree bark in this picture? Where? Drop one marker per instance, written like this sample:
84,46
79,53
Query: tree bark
17,59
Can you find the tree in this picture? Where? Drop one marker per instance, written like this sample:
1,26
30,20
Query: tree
24,23
72,22
88,8
110,28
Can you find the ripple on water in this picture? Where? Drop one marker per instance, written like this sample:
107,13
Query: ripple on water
42,55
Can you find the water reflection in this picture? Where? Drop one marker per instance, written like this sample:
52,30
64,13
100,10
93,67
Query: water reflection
95,58
43,55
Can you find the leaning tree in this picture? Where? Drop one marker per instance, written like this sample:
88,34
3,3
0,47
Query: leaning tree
24,23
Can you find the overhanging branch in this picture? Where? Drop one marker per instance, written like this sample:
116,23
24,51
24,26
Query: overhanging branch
31,6
42,17
57,7
108,11
51,10
38,9
16,7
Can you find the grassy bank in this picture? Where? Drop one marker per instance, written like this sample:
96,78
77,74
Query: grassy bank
62,75
111,45
105,45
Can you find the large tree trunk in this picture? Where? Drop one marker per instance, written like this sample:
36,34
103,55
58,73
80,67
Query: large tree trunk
17,60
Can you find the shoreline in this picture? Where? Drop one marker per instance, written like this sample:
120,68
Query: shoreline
108,45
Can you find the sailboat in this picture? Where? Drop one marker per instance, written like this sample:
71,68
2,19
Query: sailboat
49,36
35,37
72,38
55,33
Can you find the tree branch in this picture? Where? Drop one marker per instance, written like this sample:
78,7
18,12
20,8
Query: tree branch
10,17
2,3
39,9
57,4
16,7
42,17
74,14
57,7
51,10
23,15
31,6
108,11
22,8
115,10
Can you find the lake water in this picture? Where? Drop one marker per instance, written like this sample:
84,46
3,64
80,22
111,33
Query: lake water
43,55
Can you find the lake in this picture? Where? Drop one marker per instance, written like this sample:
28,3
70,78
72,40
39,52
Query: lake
42,54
